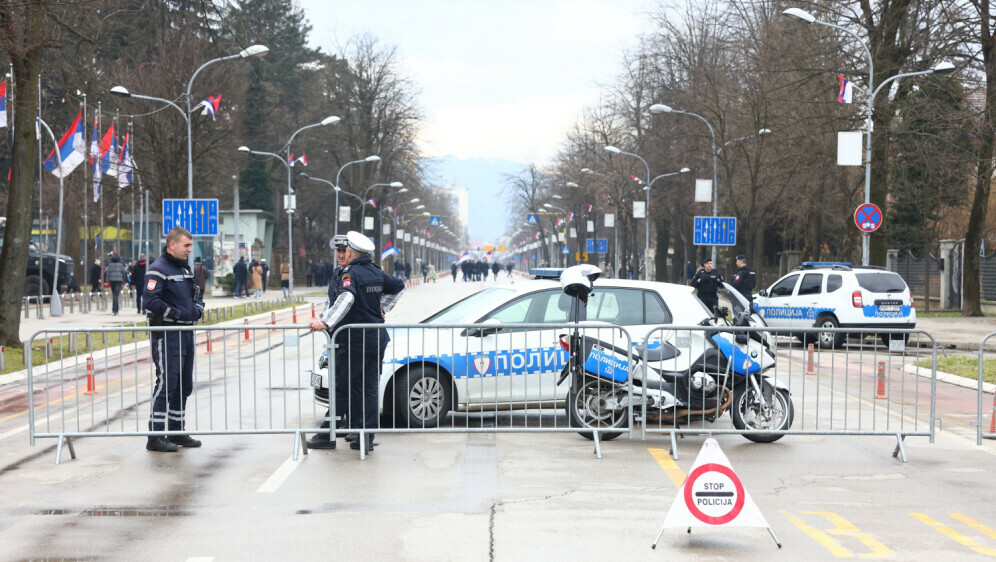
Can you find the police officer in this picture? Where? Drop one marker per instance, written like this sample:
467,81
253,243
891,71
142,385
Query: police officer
172,299
745,279
707,281
365,295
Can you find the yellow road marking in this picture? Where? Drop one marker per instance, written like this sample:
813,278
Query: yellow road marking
841,528
974,524
952,534
672,469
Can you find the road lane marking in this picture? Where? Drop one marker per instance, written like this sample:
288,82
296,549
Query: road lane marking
952,534
841,528
664,459
273,483
974,524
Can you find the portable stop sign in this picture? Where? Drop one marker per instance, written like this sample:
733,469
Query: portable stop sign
713,496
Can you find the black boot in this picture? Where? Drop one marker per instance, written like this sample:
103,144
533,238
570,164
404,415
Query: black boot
355,445
161,445
321,441
184,441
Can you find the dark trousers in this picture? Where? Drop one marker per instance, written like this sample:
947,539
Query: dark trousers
138,298
307,280
710,300
115,292
173,356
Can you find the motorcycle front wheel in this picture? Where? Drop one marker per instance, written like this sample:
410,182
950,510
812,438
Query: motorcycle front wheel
750,412
591,407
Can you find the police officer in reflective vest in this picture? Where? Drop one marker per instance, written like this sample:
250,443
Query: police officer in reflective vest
366,294
745,279
172,299
707,280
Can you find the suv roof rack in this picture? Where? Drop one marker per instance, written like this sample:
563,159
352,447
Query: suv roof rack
838,265
546,272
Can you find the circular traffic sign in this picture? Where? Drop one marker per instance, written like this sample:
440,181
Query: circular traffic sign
714,494
868,217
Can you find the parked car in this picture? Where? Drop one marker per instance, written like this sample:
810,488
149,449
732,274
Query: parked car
427,373
40,269
838,295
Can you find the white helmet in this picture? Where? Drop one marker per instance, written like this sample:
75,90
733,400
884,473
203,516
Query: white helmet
576,281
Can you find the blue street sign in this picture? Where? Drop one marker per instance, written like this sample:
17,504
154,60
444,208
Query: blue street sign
715,231
435,221
199,216
532,218
589,245
868,217
565,250
602,246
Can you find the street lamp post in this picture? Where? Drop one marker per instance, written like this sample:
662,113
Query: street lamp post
647,189
363,213
55,303
646,215
289,206
941,68
371,158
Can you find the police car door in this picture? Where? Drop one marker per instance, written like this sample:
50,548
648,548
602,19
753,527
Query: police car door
776,307
524,363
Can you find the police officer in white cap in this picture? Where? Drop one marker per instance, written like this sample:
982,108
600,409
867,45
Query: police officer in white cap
365,295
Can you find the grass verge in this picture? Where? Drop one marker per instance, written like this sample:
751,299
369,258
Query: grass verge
965,366
65,347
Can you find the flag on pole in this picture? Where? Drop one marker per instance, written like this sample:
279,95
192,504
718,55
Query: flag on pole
72,148
589,207
845,92
3,104
372,202
290,160
570,216
536,236
388,251
636,179
109,153
126,163
303,160
95,160
210,105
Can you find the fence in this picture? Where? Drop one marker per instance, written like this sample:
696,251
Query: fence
982,432
490,377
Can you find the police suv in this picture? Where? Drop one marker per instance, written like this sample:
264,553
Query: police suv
427,373
832,295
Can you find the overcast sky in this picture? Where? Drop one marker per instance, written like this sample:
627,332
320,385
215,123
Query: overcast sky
500,81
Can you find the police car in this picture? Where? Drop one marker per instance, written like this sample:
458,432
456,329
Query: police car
427,373
832,295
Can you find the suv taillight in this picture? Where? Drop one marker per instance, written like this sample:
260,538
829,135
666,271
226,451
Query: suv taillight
912,302
856,301
565,342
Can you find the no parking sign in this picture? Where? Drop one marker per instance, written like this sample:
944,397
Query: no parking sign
713,496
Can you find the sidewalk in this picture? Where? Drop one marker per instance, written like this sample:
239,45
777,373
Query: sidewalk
963,334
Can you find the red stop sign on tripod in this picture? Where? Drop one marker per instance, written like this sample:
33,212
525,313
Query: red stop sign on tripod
868,217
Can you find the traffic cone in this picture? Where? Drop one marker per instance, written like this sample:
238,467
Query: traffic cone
209,350
91,386
880,393
294,311
810,362
992,422
246,322
312,310
273,320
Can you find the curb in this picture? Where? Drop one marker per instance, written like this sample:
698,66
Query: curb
950,378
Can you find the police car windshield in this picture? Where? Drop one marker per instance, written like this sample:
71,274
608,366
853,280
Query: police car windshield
470,308
881,282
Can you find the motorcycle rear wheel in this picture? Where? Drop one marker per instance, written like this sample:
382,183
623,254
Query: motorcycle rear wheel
588,408
748,413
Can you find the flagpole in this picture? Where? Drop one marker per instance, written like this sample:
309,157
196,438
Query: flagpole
99,246
132,189
86,212
41,276
117,198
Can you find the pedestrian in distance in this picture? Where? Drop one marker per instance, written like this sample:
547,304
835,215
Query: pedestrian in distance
257,279
285,278
689,272
266,272
745,279
432,273
241,271
425,272
201,275
707,281
366,294
495,268
116,275
172,299
137,278
453,271
95,271
408,270
308,275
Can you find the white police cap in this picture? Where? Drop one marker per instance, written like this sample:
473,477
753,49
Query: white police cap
359,242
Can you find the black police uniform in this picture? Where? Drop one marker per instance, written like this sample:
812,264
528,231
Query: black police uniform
744,281
171,299
707,282
365,347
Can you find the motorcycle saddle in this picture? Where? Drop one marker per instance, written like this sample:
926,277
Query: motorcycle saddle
657,351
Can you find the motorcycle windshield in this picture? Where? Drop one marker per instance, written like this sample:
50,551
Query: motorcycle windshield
737,301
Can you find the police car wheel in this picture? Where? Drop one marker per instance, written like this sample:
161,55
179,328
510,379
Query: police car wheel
829,340
422,398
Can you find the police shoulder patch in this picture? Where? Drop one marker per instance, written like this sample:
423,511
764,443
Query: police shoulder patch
151,285
347,282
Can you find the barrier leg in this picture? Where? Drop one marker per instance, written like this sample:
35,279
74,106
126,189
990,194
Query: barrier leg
674,446
598,444
900,449
69,443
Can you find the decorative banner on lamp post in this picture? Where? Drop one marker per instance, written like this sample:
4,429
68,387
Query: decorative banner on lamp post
368,223
610,220
639,210
703,191
344,213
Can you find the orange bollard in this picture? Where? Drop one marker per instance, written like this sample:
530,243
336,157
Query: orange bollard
91,387
992,423
810,362
209,343
247,329
273,319
294,311
312,310
880,393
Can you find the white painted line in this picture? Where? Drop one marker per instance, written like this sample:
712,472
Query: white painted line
13,432
277,478
201,559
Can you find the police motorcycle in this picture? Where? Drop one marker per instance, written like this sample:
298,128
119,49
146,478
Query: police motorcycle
728,375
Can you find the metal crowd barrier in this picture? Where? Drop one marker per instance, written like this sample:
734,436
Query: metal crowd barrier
982,431
246,379
863,387
469,378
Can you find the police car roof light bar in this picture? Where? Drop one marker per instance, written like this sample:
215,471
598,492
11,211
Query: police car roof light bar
824,264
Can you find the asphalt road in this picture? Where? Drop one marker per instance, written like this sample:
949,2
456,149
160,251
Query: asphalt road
484,496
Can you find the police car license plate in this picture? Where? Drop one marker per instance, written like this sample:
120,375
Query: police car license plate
316,380
889,308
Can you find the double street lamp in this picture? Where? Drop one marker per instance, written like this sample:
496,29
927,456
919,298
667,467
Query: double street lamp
941,68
